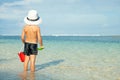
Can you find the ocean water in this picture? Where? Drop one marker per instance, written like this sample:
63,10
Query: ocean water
64,58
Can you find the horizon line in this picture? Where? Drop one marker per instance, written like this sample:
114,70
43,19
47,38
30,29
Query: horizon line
63,35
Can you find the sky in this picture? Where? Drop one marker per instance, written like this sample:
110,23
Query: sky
83,17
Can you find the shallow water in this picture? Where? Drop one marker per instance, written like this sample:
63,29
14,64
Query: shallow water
64,58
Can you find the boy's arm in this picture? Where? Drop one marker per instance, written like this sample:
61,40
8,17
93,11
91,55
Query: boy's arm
23,36
39,37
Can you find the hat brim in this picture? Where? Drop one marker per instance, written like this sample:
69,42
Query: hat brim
39,21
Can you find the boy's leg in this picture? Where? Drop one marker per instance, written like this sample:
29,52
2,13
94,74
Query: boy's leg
27,58
32,75
32,62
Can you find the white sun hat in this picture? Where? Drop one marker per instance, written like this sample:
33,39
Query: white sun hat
32,18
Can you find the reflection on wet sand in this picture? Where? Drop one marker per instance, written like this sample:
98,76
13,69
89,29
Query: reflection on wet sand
27,76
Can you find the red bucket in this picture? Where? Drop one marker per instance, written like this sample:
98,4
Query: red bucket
21,56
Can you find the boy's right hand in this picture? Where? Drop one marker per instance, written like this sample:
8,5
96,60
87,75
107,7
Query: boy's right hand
41,47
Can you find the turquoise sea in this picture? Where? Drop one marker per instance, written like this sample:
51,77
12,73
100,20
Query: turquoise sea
64,58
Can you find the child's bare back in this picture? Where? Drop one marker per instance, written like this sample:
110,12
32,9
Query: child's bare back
32,33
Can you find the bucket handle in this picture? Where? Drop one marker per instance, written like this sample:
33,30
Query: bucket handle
21,48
